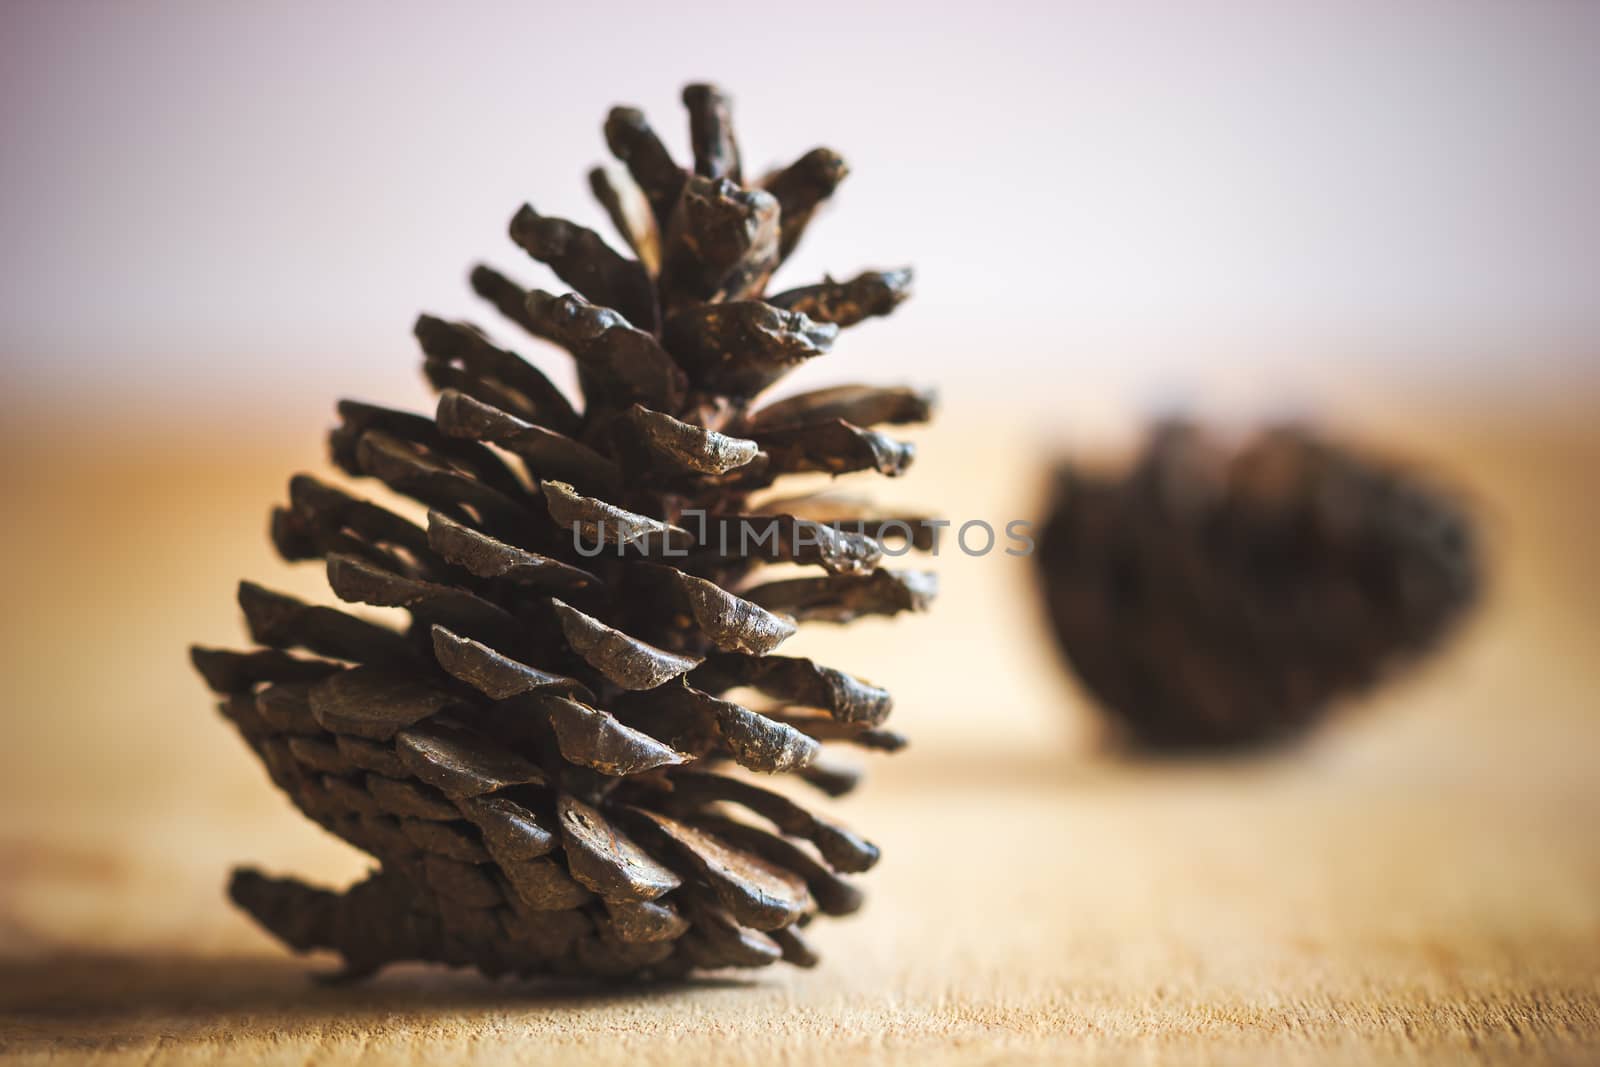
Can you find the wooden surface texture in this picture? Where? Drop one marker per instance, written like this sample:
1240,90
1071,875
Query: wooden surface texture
1422,884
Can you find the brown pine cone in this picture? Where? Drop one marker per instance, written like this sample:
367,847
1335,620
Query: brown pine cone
544,762
1212,598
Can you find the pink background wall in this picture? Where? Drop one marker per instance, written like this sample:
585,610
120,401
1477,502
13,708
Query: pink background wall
244,201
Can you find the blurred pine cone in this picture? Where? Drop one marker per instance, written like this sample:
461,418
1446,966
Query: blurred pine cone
540,761
1214,598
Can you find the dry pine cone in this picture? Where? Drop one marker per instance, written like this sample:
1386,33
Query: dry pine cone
544,762
1214,598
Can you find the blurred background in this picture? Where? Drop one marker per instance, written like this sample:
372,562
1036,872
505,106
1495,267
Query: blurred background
240,203
221,217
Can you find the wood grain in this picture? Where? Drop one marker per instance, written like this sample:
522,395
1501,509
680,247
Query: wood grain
1422,885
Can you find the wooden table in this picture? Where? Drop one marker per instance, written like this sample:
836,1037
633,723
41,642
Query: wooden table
1420,885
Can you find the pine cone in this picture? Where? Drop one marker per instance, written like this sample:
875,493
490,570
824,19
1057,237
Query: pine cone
1217,599
543,762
